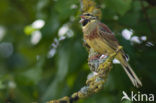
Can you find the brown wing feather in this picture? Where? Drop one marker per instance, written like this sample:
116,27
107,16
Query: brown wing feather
106,34
105,27
109,37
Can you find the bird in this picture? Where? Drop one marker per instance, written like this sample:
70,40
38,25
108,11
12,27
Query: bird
98,36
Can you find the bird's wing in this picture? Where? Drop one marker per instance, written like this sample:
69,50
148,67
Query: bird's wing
108,37
105,33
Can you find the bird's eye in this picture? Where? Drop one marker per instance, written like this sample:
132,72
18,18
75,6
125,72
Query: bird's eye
87,14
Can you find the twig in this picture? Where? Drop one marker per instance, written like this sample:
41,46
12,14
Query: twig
102,67
99,65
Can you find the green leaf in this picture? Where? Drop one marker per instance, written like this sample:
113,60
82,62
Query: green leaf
120,6
71,79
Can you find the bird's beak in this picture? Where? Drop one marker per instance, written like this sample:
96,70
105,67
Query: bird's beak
82,18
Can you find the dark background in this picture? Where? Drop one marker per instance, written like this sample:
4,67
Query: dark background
29,73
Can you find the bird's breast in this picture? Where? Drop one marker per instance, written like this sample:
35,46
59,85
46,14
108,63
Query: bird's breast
98,45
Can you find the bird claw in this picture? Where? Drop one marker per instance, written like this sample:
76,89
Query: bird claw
95,57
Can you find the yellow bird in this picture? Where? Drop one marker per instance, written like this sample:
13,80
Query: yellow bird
99,37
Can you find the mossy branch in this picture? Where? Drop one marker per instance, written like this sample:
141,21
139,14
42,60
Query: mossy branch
99,65
102,66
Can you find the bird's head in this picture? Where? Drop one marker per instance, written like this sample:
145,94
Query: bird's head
86,18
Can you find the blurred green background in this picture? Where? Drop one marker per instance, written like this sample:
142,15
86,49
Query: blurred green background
42,56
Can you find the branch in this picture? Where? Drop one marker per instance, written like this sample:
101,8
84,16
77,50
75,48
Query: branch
99,65
89,6
102,67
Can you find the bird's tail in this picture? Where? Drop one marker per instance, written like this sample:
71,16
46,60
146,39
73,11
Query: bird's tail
131,74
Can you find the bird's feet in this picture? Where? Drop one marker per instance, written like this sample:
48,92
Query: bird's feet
95,57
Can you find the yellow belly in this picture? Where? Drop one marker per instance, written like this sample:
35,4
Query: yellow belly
99,46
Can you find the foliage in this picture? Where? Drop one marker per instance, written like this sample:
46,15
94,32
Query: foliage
28,73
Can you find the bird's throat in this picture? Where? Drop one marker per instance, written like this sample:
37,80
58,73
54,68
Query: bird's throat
89,27
85,22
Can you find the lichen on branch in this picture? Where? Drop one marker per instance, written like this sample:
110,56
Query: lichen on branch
95,82
89,6
99,65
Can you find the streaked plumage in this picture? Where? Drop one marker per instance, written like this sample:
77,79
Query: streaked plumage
99,37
